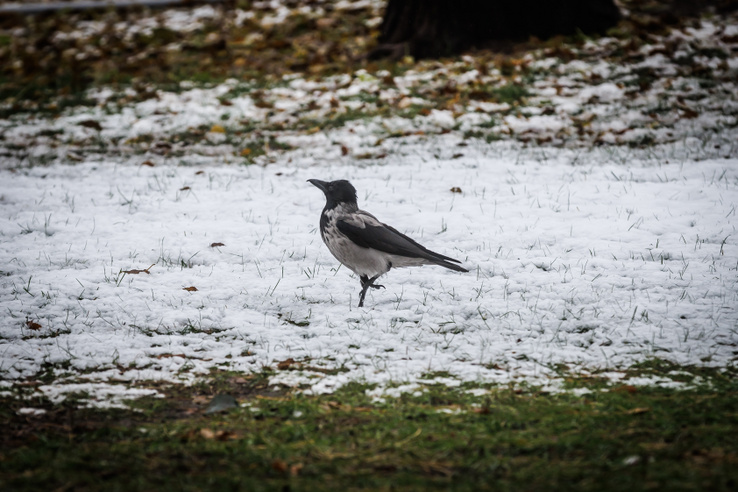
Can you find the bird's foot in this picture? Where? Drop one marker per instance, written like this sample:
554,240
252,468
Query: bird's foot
367,282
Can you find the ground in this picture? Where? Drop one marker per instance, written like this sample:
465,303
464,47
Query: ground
160,241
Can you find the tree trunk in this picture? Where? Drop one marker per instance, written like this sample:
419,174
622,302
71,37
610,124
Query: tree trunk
434,28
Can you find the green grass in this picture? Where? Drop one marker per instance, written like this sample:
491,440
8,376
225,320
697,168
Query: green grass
616,438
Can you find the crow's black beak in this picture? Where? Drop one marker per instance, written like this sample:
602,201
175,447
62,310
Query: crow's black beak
322,185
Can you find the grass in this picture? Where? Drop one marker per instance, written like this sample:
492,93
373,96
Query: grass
610,438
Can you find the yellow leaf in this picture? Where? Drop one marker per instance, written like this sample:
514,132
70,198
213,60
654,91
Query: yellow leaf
217,129
637,411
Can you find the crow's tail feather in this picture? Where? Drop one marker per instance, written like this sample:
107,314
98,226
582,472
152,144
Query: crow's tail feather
445,261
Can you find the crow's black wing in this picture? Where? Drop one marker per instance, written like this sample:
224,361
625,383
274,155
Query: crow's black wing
368,232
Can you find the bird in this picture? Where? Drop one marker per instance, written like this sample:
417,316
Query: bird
366,246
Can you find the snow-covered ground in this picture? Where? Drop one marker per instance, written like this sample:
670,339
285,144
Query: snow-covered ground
594,260
600,232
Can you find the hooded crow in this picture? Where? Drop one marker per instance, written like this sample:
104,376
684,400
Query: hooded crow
365,245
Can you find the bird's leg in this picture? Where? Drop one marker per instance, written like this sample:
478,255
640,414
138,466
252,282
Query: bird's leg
364,286
373,285
367,282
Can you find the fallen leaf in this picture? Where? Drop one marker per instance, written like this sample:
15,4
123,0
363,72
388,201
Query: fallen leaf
217,129
207,433
201,399
32,325
135,271
216,245
325,22
627,388
280,466
190,289
637,410
185,188
455,189
286,364
654,446
166,356
91,124
147,163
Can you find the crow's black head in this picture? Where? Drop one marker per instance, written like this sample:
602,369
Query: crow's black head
336,192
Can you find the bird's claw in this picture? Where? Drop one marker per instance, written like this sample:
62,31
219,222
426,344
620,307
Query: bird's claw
374,286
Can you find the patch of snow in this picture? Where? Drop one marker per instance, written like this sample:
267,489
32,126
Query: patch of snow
31,411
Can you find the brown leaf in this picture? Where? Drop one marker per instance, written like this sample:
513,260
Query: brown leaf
190,289
626,388
344,150
216,245
325,22
455,189
286,364
280,466
199,173
135,272
637,411
32,325
295,469
190,435
147,163
166,356
91,124
654,446
207,433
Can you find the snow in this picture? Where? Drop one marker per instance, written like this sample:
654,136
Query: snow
590,259
31,411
